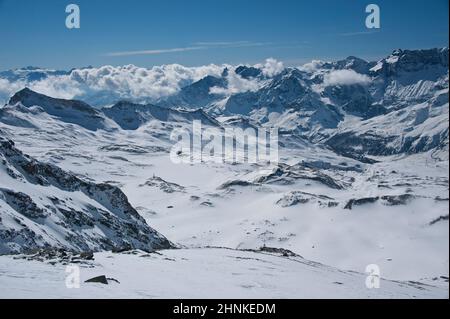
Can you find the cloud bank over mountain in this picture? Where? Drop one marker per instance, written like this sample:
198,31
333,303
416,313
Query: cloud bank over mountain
106,84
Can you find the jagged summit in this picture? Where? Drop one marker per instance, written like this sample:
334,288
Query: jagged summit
248,71
401,61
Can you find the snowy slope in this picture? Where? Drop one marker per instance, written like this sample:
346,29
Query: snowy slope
299,205
213,273
362,176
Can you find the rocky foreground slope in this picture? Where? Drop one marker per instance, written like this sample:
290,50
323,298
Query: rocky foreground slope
42,206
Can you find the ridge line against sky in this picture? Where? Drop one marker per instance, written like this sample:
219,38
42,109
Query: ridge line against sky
201,32
258,64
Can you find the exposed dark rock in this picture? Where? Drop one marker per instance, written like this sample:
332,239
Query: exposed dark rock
236,182
394,200
99,279
360,201
333,204
207,204
284,252
127,148
163,185
299,197
248,72
130,116
113,279
87,255
439,219
389,200
57,255
328,166
286,175
23,204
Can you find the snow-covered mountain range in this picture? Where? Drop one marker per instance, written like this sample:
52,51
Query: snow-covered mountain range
350,104
362,176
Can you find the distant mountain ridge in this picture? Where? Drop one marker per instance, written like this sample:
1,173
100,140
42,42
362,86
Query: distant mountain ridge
396,105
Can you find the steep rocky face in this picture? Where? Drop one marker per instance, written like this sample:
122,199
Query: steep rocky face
413,129
408,77
354,99
287,102
42,206
401,61
403,109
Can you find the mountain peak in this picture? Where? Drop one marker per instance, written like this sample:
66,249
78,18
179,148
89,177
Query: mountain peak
413,60
352,57
225,72
23,95
247,72
30,98
70,111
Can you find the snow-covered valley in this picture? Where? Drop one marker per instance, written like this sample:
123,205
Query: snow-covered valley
362,179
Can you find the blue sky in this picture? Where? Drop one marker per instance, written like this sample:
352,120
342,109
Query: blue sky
197,32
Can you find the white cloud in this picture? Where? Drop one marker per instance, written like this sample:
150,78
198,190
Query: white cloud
157,51
312,66
345,77
236,84
271,67
193,47
107,84
57,86
7,89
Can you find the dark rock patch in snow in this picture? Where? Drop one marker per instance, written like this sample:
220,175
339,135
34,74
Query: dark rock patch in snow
99,279
236,182
287,175
439,219
388,200
163,185
360,201
299,197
